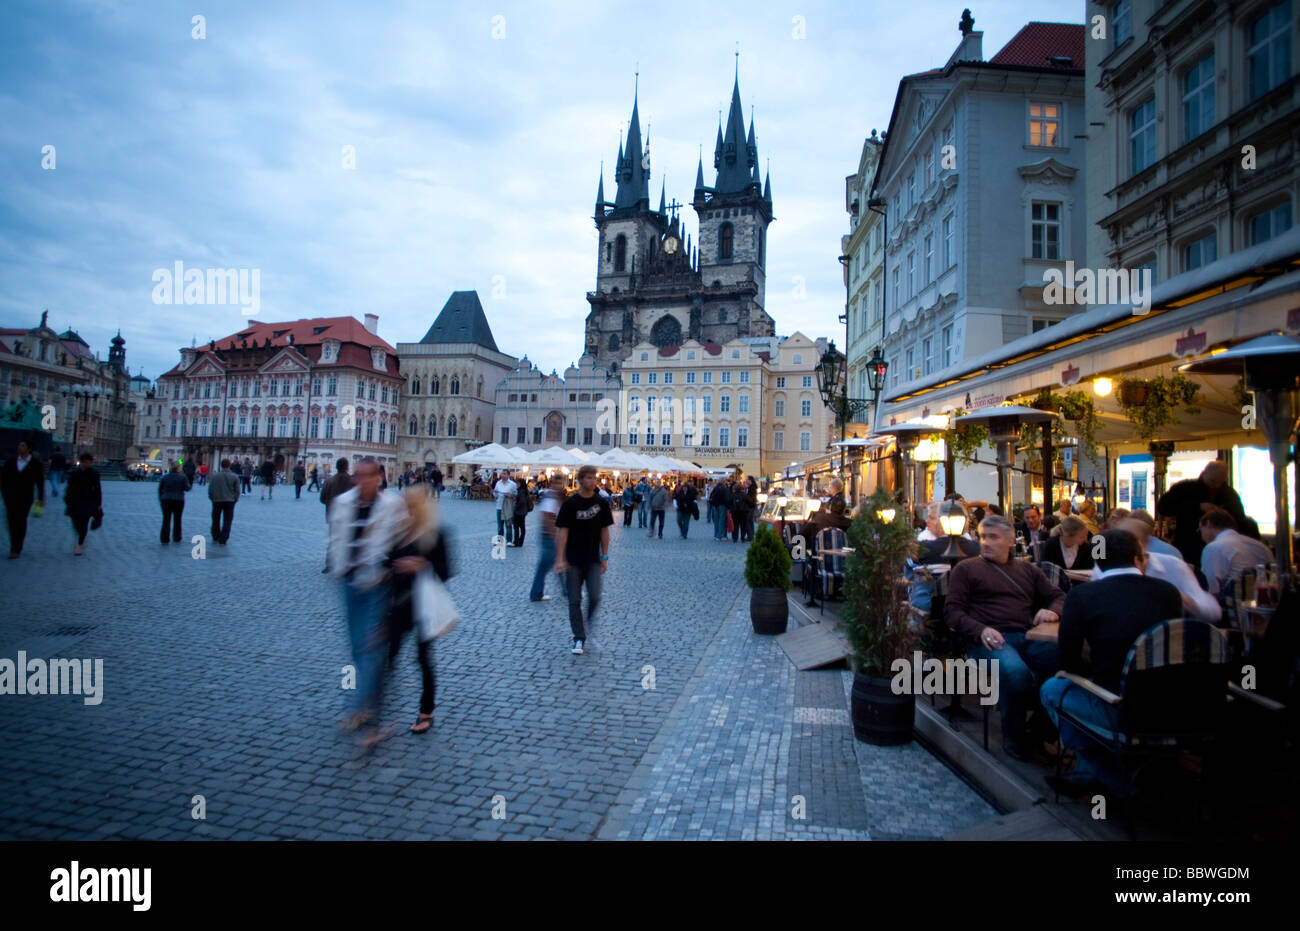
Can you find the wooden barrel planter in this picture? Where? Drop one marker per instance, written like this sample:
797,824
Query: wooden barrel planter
768,610
879,716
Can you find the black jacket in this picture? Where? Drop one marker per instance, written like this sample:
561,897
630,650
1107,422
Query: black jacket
20,488
83,497
1052,552
1111,613
1183,503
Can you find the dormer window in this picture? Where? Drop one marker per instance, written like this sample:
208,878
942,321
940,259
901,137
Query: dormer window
377,358
329,351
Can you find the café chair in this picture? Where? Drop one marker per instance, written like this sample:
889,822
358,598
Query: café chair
1173,693
830,568
800,569
1055,574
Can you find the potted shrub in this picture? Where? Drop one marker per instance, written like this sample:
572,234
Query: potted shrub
767,572
878,622
1159,397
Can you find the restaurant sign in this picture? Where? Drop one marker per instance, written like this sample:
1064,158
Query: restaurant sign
1190,344
716,452
983,400
1070,376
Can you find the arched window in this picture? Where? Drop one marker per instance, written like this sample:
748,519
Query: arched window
451,426
479,393
613,341
415,385
478,428
620,253
433,426
666,332
455,385
415,427
434,385
725,235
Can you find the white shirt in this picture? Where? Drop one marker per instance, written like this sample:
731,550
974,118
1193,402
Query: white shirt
1177,573
1069,554
1229,555
22,463
504,488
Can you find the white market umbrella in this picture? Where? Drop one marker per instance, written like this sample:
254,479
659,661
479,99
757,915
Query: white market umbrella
491,454
553,457
620,459
581,455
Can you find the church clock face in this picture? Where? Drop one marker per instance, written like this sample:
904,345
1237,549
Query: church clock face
670,244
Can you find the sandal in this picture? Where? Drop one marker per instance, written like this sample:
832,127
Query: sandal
422,724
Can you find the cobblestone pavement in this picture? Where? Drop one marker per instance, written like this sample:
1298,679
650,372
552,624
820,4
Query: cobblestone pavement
222,679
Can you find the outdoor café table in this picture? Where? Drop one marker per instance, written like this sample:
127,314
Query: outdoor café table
1079,575
841,552
1049,632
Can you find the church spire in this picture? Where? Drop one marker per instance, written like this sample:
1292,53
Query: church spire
737,159
633,174
663,204
600,193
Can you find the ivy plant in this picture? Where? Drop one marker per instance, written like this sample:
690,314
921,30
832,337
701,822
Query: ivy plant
1163,395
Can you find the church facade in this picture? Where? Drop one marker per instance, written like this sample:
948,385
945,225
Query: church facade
653,284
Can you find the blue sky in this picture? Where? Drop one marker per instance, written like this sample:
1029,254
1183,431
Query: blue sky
476,158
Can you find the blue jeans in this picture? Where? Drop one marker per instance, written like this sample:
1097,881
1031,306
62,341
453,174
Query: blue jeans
505,528
1022,665
366,609
574,577
545,565
1082,704
656,516
55,478
643,510
683,521
719,523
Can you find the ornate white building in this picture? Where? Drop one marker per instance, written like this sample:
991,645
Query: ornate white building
535,410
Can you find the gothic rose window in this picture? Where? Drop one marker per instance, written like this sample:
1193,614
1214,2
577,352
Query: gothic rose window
666,332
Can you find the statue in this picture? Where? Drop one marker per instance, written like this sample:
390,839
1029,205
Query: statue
967,24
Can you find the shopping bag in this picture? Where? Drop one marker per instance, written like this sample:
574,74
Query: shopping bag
38,509
435,612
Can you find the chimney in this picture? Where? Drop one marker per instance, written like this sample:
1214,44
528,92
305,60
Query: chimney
971,47
372,324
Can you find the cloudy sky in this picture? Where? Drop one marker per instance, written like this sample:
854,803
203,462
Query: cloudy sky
478,132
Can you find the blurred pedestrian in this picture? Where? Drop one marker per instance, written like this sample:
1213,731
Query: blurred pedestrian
22,481
629,503
505,491
548,507
83,501
223,492
246,477
171,498
364,525
58,470
684,497
336,485
267,474
523,504
299,479
1187,500
315,479
643,507
659,499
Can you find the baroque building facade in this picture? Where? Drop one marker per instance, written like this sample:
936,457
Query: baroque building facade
535,410
451,377
652,283
862,254
316,389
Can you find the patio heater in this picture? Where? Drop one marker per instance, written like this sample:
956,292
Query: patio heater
907,436
1004,425
1271,367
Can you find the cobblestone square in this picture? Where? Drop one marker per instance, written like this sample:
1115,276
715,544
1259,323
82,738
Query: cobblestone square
222,679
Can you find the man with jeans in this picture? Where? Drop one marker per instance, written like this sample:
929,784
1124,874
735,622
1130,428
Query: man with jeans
223,491
643,508
58,470
1110,613
548,508
995,600
582,548
364,525
505,491
684,499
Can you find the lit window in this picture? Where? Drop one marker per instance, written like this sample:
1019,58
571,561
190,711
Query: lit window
1045,124
1264,226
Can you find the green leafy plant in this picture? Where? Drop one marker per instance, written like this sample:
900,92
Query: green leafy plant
965,440
1156,411
1242,396
1076,407
877,619
768,562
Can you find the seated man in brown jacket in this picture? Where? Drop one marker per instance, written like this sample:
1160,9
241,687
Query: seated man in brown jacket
995,600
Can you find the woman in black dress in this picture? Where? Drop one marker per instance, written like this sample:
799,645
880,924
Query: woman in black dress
83,500
422,547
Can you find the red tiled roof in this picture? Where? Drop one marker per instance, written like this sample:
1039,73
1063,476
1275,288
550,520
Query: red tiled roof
1036,43
356,339
712,348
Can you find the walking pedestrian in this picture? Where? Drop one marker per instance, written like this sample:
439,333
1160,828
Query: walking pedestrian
629,503
582,547
246,477
659,499
548,507
22,481
267,475
299,479
315,479
751,506
203,474
505,491
339,483
58,470
643,507
171,498
435,479
83,501
420,550
364,524
719,500
191,470
684,498
523,504
223,492
739,505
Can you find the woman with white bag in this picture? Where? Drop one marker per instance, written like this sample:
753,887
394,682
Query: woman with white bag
420,567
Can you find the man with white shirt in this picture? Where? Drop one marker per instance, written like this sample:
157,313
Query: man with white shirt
505,491
1153,543
1197,602
22,481
1227,554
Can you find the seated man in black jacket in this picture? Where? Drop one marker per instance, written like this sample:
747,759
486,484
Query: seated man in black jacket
1110,614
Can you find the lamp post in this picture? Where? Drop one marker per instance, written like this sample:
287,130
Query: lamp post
829,372
85,394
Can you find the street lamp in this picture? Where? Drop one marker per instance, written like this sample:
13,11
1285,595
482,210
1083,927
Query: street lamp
952,518
829,371
85,394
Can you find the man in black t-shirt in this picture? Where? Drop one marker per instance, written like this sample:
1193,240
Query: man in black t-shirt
582,549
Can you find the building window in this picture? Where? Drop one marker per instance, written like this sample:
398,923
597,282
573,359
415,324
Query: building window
586,436
1045,124
778,408
929,168
505,435
296,428
332,386
668,378
1200,252
1142,137
455,385
243,427
898,298
688,435
805,408
742,403
927,355
382,432
911,364
708,378
805,381
570,436
1264,226
451,426
370,431
706,404
620,253
927,260
742,436
744,377
724,436
947,241
270,427
805,441
946,342
778,440
780,381
329,428
1269,56
636,378
1045,230
724,404
911,275
631,438
690,378
725,237
537,436
313,427
361,388
434,385
383,394
705,437
726,377
652,378
415,385
1040,323
1198,98
911,189
1122,18
520,433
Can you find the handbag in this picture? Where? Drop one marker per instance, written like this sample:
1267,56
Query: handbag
435,612
695,510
